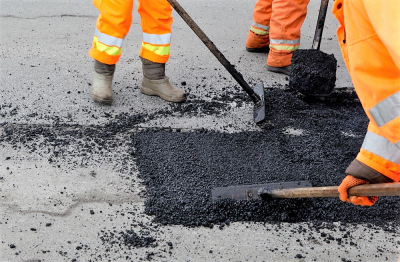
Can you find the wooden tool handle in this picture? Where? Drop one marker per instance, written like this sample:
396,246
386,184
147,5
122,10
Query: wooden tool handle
384,189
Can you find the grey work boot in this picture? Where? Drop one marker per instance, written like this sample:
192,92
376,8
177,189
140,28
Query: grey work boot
102,81
282,70
155,83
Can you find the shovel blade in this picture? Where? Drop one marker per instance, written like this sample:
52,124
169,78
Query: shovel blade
259,107
252,192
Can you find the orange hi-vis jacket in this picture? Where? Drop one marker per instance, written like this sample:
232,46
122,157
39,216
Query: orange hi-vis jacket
369,37
115,20
281,20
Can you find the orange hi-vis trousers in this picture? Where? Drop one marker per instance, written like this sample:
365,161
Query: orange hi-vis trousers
369,37
282,20
115,20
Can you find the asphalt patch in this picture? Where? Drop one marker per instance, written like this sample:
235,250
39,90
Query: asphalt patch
313,72
304,139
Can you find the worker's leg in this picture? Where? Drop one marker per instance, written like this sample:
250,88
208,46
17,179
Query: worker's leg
258,37
112,25
376,79
156,24
286,21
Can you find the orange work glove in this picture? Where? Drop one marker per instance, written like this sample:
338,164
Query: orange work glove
350,181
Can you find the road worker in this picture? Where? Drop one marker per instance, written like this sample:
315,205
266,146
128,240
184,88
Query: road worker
369,38
112,26
276,29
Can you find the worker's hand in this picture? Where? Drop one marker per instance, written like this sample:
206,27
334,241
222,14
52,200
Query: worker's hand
359,173
349,182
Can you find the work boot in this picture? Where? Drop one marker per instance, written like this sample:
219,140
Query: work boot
282,70
102,81
257,43
155,83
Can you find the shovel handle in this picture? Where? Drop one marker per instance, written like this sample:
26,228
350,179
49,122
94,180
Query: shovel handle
384,189
221,58
320,24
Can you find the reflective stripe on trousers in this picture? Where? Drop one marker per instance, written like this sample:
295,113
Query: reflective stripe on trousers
281,44
259,29
157,43
106,43
114,22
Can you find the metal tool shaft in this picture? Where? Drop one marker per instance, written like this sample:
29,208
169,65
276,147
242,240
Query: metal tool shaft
320,24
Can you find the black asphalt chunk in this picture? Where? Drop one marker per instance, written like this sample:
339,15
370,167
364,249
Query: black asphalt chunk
313,72
129,238
312,139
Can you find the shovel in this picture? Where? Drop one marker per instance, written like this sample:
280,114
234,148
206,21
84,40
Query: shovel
299,189
256,94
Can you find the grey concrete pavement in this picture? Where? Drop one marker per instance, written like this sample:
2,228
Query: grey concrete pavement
58,211
45,45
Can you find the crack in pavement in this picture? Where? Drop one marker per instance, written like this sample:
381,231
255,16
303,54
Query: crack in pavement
86,199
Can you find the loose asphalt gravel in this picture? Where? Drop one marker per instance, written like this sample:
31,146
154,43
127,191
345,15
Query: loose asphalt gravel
303,138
